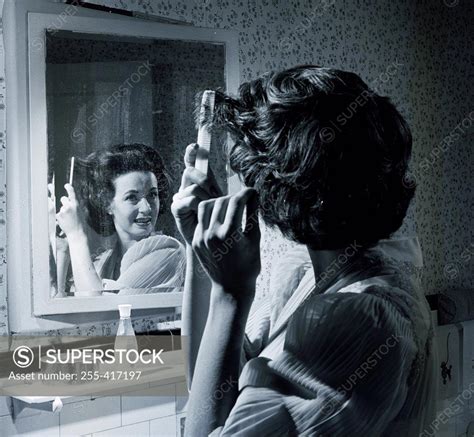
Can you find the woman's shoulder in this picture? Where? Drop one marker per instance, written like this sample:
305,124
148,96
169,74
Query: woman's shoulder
386,287
350,314
334,335
356,323
105,260
158,245
154,243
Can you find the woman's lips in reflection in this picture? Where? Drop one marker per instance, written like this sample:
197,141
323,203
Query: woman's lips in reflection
143,221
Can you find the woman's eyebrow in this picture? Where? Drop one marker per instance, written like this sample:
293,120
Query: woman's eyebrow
129,192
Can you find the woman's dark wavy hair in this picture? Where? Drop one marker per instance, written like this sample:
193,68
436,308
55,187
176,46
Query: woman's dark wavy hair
97,172
327,155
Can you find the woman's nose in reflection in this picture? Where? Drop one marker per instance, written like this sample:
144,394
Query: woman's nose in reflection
144,206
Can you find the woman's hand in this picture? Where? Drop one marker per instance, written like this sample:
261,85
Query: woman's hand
70,217
230,254
195,188
231,257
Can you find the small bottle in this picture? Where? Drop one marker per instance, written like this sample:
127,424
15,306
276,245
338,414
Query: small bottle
125,338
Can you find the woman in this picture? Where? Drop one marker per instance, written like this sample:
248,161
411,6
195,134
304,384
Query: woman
347,352
120,195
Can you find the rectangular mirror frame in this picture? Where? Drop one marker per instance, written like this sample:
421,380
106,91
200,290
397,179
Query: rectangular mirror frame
30,280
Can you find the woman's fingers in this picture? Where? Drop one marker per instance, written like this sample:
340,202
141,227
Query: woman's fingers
182,207
187,200
191,191
65,201
235,209
205,212
191,176
228,211
219,211
70,192
190,155
203,217
236,272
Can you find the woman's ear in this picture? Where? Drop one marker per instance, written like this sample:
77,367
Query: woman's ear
109,209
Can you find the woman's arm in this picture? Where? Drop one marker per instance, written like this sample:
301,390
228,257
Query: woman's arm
197,289
231,257
83,270
62,264
215,385
71,222
195,188
59,246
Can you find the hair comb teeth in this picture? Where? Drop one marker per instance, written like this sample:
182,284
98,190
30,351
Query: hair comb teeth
206,114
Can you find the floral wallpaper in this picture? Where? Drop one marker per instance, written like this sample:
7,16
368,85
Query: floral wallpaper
3,204
415,51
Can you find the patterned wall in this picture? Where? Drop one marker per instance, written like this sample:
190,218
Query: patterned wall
3,205
414,51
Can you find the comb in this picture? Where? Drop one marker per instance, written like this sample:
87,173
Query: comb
206,115
71,171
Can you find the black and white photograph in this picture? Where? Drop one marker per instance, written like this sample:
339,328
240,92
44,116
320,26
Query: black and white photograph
236,218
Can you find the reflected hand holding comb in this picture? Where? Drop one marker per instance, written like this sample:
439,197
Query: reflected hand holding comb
59,232
59,245
69,217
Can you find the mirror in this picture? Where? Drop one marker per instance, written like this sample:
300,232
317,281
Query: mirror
81,84
119,115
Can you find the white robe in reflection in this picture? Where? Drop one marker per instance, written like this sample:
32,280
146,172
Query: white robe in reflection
156,261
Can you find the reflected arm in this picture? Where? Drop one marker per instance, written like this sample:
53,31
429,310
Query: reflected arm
85,275
62,264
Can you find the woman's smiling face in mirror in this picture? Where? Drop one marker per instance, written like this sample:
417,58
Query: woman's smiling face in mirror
135,205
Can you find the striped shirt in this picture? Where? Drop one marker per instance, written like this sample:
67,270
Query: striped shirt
351,357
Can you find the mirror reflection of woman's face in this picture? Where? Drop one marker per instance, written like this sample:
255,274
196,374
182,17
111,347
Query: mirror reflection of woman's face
135,205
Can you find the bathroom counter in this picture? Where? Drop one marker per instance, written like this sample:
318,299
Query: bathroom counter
105,380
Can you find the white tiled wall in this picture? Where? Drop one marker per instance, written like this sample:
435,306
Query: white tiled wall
140,406
166,427
134,414
86,417
141,429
